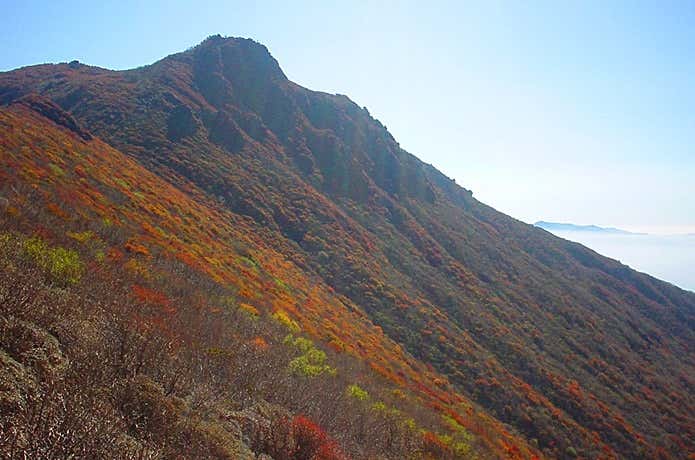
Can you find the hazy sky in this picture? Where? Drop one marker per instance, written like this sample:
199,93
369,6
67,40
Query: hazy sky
580,113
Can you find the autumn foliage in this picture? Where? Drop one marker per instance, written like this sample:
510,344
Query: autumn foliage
312,443
252,241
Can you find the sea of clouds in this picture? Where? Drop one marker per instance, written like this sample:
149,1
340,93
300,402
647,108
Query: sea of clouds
667,257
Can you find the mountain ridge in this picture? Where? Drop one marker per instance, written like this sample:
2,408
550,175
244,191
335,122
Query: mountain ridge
444,276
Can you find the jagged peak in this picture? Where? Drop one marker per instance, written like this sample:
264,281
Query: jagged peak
233,50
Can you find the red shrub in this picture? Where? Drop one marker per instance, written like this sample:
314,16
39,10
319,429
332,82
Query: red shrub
433,446
312,443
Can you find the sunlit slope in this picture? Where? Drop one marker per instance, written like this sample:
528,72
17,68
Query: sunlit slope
84,182
575,350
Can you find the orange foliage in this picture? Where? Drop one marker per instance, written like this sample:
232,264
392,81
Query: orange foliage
148,296
260,343
135,248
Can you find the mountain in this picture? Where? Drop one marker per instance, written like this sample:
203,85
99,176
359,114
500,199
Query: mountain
560,227
312,283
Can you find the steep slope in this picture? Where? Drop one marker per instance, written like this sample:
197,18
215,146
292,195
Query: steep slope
576,351
163,282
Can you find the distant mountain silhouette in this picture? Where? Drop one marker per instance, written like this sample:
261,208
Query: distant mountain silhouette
563,227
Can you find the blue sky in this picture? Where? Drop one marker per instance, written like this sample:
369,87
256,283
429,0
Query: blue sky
569,111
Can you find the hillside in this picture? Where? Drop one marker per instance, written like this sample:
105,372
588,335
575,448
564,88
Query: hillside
302,209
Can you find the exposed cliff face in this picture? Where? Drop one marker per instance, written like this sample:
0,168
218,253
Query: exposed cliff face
547,335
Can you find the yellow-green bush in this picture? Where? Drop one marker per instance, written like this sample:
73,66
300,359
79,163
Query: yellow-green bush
355,391
462,449
379,406
300,343
311,364
63,264
461,441
283,318
312,361
410,423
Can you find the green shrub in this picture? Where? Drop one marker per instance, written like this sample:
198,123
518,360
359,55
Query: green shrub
355,391
462,449
300,343
312,361
379,406
62,264
311,364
